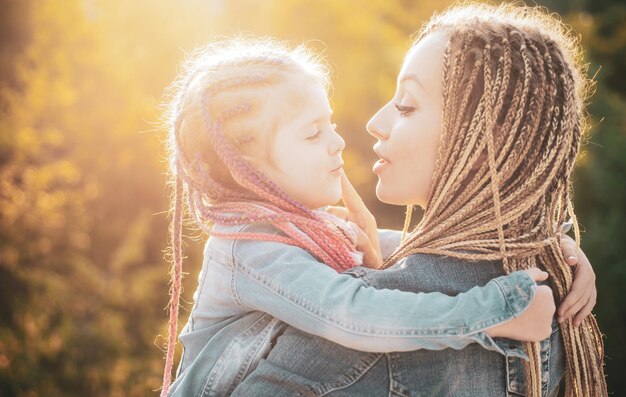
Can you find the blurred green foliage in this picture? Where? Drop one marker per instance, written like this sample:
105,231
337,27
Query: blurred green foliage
83,203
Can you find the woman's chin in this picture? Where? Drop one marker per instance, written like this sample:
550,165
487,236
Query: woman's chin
392,196
384,194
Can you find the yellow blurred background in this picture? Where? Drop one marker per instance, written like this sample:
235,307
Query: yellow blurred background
83,201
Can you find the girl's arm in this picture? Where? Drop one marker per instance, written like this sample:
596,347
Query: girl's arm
291,285
579,301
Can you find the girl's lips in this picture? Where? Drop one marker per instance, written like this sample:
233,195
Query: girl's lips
338,170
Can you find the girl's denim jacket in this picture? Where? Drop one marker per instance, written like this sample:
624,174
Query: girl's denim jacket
248,291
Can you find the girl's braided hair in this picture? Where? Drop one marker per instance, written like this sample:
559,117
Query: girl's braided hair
225,105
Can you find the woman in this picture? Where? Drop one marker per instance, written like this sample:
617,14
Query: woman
487,120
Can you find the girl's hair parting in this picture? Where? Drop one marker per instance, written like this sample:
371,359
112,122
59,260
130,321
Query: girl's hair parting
224,106
513,115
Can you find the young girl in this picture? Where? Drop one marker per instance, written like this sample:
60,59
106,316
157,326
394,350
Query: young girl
487,122
255,153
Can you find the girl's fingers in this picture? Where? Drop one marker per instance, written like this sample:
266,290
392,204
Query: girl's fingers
339,212
361,216
371,258
537,274
350,197
586,310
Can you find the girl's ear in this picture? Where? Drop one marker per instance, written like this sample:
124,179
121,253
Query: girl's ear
255,161
252,160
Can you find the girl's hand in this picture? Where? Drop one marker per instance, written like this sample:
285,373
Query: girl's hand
582,297
371,256
355,211
535,323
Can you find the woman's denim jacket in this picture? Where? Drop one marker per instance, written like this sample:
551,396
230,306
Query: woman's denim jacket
250,290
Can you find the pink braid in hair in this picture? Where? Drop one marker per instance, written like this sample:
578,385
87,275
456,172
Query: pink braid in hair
260,201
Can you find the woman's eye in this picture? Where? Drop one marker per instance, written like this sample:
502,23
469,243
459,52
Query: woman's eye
404,110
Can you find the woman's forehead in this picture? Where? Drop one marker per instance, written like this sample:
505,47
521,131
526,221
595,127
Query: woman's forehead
424,62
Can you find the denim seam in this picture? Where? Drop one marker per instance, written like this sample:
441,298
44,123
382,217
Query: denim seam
200,288
323,390
393,373
546,382
245,365
511,383
235,292
207,390
507,291
233,282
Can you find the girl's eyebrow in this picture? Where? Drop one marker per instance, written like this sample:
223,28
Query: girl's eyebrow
413,78
320,119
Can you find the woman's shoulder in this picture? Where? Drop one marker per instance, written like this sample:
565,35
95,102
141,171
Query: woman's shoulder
442,267
436,259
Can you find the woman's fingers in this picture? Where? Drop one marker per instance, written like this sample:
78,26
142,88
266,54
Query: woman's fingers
586,310
578,305
583,289
569,250
575,295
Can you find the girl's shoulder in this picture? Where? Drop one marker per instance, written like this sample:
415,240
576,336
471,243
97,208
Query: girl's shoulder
253,250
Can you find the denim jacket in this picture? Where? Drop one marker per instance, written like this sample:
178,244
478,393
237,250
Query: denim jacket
249,291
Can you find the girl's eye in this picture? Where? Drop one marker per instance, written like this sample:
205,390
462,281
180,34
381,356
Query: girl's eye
314,137
404,110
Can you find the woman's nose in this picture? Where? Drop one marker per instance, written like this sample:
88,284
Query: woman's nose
376,126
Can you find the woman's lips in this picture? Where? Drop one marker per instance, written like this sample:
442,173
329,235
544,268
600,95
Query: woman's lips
380,165
382,162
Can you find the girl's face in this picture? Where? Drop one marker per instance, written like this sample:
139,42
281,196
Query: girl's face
305,154
409,126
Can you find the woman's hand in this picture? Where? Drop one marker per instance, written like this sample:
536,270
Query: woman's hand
535,323
582,297
356,212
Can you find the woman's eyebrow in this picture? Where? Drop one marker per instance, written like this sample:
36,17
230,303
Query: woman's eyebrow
413,78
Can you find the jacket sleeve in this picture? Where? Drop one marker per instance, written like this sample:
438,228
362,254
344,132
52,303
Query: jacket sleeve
288,283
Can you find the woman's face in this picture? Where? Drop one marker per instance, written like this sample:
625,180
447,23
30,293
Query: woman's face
409,126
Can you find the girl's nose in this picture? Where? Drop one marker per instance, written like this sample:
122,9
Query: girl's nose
337,145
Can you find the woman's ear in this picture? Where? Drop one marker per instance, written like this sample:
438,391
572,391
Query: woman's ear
479,161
